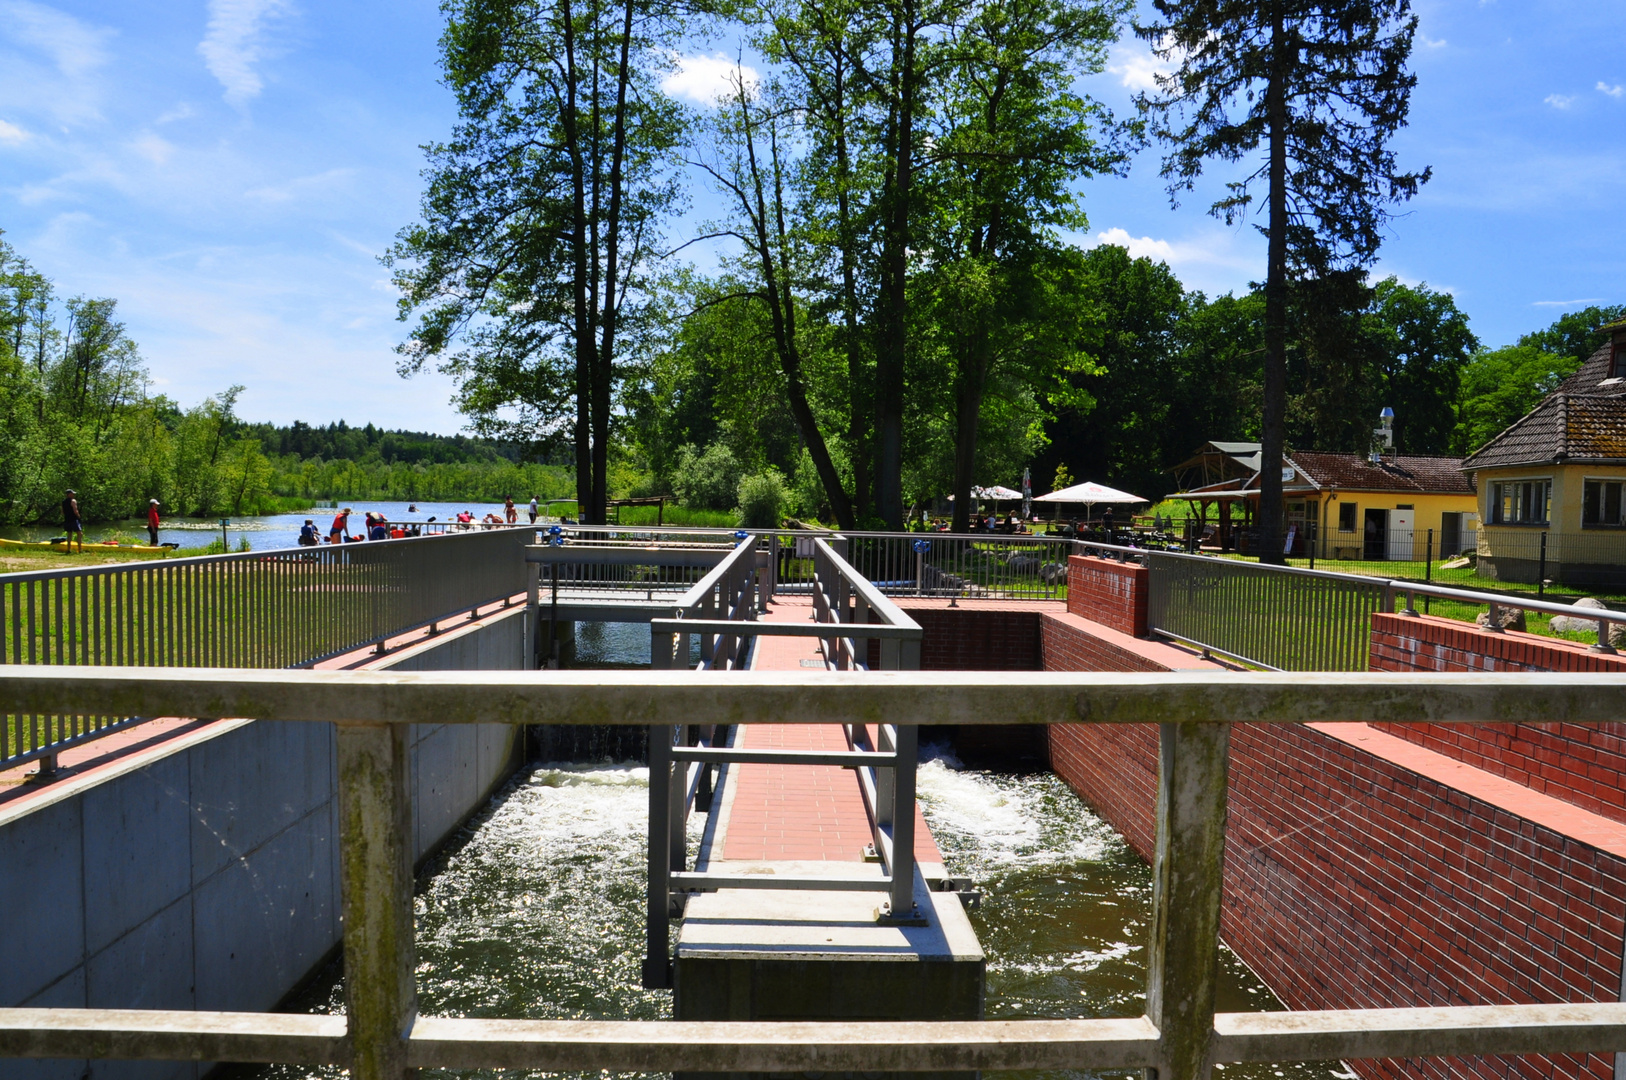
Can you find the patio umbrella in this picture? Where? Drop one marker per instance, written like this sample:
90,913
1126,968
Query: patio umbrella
1089,493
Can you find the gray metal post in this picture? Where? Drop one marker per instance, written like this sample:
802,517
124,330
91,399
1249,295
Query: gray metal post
677,803
903,823
657,961
1187,879
375,823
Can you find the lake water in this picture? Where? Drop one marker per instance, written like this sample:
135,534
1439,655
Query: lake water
270,531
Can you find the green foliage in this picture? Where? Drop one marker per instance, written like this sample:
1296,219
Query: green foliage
709,479
762,500
1063,478
1500,385
542,216
1576,333
75,413
403,482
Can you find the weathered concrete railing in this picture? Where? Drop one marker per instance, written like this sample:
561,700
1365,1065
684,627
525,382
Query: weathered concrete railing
382,1035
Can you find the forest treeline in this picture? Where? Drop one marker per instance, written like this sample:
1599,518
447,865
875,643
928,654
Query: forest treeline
895,308
1169,368
77,411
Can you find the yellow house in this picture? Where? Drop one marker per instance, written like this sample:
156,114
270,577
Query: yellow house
1396,507
1552,483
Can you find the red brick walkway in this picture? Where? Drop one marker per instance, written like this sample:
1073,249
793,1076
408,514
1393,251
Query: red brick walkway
800,812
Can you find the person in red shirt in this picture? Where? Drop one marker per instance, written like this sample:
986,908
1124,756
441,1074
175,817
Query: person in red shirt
152,520
341,526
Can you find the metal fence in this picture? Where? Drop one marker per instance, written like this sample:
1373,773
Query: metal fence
382,1037
1271,616
1288,618
258,609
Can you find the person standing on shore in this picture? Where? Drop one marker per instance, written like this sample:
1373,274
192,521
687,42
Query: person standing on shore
70,519
533,510
341,526
152,521
510,511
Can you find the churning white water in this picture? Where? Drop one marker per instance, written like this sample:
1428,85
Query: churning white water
537,910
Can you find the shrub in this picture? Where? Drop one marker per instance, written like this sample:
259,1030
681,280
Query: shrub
762,500
707,480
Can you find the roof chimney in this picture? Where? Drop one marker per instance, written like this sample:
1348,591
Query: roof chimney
1383,436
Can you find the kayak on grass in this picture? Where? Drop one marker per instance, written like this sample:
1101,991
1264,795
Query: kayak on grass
61,544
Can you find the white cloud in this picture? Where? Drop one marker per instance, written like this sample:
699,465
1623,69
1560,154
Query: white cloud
235,44
1136,67
706,80
1217,249
154,149
11,133
1559,101
1613,91
50,62
182,111
1565,303
320,184
75,48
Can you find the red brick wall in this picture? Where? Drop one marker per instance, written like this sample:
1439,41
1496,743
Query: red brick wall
1426,643
973,639
1066,646
1353,882
1584,766
1111,593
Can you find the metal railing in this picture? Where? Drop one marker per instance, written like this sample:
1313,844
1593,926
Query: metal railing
594,572
842,596
1286,618
722,600
382,1037
683,759
989,566
281,608
1276,617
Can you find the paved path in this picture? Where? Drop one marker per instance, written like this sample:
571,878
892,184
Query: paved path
773,813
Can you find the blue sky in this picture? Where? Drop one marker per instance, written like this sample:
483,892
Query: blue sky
230,170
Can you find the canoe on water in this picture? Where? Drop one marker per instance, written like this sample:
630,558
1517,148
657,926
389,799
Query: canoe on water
62,545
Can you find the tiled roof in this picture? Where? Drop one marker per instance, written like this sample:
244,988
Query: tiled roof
1351,472
1567,426
1592,373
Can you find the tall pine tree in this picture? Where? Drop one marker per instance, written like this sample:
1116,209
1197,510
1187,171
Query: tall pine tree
1311,92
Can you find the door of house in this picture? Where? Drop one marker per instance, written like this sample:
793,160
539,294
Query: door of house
1377,536
1401,528
1450,535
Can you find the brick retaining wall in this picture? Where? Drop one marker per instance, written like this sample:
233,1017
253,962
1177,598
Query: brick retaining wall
1365,871
1585,766
1111,593
1429,643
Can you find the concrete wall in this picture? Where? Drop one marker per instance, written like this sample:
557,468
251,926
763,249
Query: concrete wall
204,875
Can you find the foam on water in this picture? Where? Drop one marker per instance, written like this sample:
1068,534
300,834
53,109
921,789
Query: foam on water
1065,904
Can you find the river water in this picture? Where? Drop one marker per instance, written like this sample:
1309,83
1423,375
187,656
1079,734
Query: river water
536,910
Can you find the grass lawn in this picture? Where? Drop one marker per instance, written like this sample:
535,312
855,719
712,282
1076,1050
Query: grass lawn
1465,578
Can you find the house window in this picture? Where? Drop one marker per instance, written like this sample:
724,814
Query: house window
1520,502
1617,365
1346,517
1601,503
